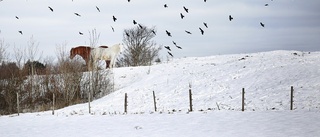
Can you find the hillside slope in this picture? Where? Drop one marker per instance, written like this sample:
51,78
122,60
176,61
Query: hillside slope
216,81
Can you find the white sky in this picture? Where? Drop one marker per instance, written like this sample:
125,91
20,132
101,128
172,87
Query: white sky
289,24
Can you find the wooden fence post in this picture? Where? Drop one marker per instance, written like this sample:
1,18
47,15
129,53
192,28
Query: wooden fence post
89,97
125,103
291,99
18,107
190,99
53,102
154,102
242,108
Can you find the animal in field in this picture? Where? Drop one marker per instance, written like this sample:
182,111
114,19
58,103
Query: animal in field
110,53
84,52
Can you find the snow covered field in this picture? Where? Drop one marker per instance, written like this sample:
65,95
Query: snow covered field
219,123
216,83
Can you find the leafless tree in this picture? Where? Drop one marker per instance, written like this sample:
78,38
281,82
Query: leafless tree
99,80
70,76
3,53
140,49
32,54
8,81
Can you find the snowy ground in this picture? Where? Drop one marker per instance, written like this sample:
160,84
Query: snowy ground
219,124
216,83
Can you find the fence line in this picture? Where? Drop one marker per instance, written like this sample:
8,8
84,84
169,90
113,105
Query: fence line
191,103
155,103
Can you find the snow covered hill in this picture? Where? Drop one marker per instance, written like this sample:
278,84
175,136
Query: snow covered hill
216,81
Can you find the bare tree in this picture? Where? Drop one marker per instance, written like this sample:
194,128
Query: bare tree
140,48
8,81
98,80
18,56
3,53
70,76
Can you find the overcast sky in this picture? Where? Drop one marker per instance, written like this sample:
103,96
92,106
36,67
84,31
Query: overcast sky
289,24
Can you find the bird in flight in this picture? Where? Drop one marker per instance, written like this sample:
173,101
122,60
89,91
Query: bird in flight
114,18
165,6
230,17
141,27
17,17
112,28
50,8
202,32
205,0
168,33
134,22
167,47
20,32
205,24
188,32
128,0
77,14
154,32
266,4
127,34
98,8
176,45
261,24
181,15
80,33
187,10
170,54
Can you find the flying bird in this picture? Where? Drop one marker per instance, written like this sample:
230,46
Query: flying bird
187,10
170,54
141,27
174,43
20,32
98,8
128,0
205,24
181,15
50,8
154,32
165,6
114,18
230,17
167,47
112,28
77,14
205,0
266,4
188,32
134,22
127,34
17,17
202,32
80,33
261,24
168,33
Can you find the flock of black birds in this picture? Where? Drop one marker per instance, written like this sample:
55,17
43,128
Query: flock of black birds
182,16
188,32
